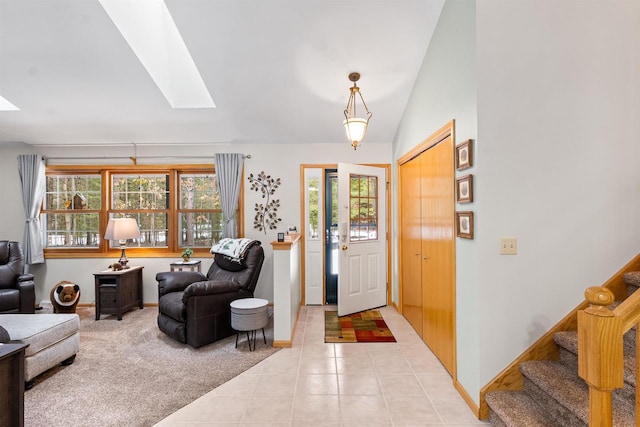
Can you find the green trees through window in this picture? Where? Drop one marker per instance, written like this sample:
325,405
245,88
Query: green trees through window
174,207
72,206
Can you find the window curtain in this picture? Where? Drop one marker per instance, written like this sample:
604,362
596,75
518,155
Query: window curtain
32,179
229,176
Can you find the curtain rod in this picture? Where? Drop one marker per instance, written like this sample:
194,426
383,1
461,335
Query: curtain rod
132,158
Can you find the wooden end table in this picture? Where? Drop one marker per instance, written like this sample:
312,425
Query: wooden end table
12,384
118,291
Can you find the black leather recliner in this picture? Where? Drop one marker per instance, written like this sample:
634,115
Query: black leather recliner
194,308
17,290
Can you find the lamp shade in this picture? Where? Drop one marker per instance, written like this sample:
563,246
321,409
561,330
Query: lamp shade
122,229
356,129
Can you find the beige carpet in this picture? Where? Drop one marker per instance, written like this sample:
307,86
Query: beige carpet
128,373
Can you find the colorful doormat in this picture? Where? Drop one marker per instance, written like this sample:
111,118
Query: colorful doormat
366,326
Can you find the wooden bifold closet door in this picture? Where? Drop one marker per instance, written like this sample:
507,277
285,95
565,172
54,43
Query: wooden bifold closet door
427,232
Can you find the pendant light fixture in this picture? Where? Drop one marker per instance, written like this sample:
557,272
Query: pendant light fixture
356,127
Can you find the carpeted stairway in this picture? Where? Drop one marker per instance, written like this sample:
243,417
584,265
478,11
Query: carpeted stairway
555,396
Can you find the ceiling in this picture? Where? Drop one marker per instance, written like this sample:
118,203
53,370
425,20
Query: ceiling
276,69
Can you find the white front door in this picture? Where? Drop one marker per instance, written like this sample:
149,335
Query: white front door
362,223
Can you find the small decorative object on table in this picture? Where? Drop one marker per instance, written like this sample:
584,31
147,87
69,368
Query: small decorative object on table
186,254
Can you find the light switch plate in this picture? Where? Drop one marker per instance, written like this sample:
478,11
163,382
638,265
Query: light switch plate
508,246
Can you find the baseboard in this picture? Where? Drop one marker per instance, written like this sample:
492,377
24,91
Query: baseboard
282,344
545,347
467,398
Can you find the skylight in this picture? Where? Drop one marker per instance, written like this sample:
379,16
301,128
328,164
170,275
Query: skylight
7,106
153,36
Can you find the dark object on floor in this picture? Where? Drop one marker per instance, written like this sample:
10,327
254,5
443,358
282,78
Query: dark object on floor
17,290
65,297
194,308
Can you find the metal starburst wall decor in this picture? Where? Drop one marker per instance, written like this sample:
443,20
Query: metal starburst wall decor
267,213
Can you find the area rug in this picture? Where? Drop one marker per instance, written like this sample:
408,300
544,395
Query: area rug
128,373
366,326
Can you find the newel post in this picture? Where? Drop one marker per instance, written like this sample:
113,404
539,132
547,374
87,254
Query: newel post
600,359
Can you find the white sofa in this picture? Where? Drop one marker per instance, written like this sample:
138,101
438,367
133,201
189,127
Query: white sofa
52,339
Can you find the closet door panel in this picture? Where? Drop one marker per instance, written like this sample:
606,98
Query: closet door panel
438,251
411,237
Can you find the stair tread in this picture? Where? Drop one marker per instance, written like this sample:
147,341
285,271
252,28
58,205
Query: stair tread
564,386
517,409
632,278
569,341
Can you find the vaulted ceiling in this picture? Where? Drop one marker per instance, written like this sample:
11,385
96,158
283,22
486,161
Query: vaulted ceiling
276,70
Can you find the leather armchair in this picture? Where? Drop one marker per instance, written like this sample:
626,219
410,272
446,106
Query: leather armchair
193,308
17,290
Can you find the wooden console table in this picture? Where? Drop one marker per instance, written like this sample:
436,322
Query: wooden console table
12,384
118,291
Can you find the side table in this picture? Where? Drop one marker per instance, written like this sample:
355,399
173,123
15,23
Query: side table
191,265
118,291
249,315
12,384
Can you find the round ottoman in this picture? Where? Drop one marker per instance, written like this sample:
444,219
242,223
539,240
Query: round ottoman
248,315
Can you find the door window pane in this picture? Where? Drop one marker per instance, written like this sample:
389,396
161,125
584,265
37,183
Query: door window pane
363,212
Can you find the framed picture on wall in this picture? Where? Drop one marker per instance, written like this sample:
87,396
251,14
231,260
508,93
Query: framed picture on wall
464,189
464,155
464,224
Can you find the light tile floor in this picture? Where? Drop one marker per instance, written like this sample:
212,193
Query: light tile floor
318,384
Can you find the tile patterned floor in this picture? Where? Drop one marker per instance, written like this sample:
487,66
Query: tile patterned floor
318,384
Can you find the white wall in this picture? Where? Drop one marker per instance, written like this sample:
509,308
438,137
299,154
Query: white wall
446,89
558,126
279,160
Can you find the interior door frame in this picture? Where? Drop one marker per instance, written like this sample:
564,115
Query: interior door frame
303,230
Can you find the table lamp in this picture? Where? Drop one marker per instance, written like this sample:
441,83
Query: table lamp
122,229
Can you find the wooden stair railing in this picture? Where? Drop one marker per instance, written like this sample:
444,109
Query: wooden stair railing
600,350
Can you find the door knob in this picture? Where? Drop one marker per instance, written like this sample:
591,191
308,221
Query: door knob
345,247
425,257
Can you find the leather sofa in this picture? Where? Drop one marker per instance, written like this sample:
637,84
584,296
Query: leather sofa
194,309
17,290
